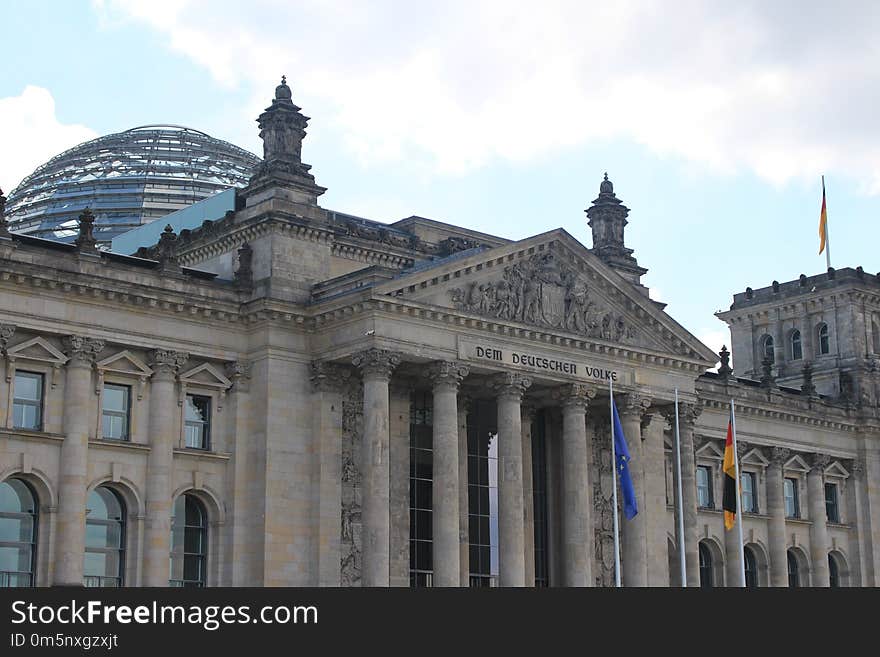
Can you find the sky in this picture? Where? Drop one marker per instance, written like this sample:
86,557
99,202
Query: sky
715,121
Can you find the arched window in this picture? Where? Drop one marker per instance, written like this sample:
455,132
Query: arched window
751,568
707,581
875,335
767,349
105,538
794,576
797,351
18,533
833,572
189,541
824,343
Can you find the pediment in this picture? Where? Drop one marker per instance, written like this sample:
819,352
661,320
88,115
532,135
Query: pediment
835,469
206,375
36,349
709,450
551,281
796,464
755,457
124,362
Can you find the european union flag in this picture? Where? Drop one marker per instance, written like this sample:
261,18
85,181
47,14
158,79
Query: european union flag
621,451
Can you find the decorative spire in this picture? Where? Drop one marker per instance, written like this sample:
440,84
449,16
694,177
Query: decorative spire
724,370
166,250
85,241
607,217
4,227
767,378
244,275
807,387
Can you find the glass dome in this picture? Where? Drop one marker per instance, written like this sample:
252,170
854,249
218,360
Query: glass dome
127,179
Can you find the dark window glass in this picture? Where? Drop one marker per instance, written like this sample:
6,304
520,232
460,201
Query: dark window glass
751,568
189,541
824,344
115,413
483,498
794,578
797,351
833,573
831,509
749,496
198,421
421,483
767,349
18,533
790,492
539,498
707,579
704,487
27,403
105,538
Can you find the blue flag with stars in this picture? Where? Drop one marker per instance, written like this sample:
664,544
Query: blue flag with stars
621,451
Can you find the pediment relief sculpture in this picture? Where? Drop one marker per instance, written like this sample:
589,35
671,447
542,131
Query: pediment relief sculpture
542,291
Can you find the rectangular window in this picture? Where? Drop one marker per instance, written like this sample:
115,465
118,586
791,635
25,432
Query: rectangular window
831,509
27,404
421,483
116,406
749,497
482,496
704,487
790,492
198,422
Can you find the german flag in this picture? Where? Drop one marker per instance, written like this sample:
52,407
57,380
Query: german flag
823,221
728,500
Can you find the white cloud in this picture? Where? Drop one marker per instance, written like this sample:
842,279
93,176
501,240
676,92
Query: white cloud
786,90
30,134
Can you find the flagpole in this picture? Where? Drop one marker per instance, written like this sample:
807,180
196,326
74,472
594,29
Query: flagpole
827,233
739,509
614,487
681,554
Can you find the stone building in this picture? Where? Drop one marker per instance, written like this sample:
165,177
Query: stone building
290,396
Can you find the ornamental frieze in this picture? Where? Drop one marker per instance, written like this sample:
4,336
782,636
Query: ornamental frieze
544,292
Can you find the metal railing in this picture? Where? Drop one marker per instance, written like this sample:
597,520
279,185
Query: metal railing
15,579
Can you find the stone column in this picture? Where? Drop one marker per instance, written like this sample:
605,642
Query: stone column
71,519
164,434
528,415
464,404
510,388
577,505
733,561
855,506
328,381
634,531
776,511
656,516
376,366
688,414
446,377
818,520
238,572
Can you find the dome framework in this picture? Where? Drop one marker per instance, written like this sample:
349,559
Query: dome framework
126,179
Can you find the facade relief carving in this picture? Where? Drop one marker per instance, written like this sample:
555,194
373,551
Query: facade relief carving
543,291
352,436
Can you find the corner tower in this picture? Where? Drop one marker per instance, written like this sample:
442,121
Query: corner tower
607,217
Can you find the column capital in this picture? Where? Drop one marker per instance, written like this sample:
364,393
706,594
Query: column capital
634,404
166,363
688,413
511,384
376,363
574,395
81,351
328,377
446,373
239,372
6,333
527,412
741,448
778,456
857,467
818,463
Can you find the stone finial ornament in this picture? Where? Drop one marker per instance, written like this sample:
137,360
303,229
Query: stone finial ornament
166,250
85,241
4,227
724,370
808,389
767,378
244,275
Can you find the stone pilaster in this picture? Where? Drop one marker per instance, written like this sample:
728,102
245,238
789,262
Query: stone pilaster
528,416
688,414
239,372
446,377
634,531
164,434
855,511
328,381
818,520
71,520
776,511
656,518
376,366
577,506
399,430
509,388
464,406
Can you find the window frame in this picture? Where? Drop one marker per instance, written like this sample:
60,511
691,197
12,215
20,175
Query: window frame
706,566
833,504
202,556
795,498
126,437
767,340
796,345
827,338
207,425
753,482
35,538
794,574
121,550
39,404
709,486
